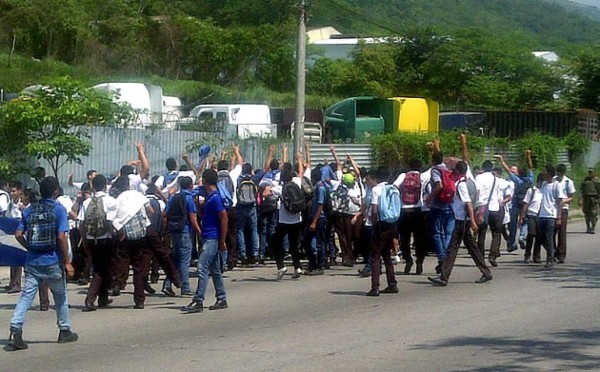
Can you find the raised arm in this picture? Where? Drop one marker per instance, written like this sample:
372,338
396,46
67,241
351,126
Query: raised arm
504,165
300,159
270,155
238,155
354,165
529,159
308,158
186,159
335,157
145,166
465,148
284,149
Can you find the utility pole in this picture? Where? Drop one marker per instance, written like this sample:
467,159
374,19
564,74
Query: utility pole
300,81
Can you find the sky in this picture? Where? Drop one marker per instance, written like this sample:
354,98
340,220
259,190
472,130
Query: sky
595,3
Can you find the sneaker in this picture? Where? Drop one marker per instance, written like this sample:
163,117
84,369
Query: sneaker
193,307
104,302
218,305
261,261
168,292
188,294
281,272
390,289
373,293
364,272
16,341
139,306
435,280
396,259
65,336
493,262
148,288
483,279
407,267
522,244
297,273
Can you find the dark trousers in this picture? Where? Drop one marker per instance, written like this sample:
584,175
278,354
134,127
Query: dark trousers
162,255
546,235
462,232
366,236
495,224
16,273
381,248
231,238
293,233
101,258
533,242
413,222
139,258
561,236
315,244
82,256
119,266
347,235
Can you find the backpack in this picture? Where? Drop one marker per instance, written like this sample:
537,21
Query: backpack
389,205
411,188
472,190
293,198
155,218
225,188
135,228
41,227
266,204
94,220
521,192
246,191
446,194
169,177
177,214
339,200
308,189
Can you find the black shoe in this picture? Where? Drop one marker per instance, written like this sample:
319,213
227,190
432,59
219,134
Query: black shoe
493,262
13,290
245,262
437,281
537,260
252,261
316,272
104,302
522,244
364,272
218,305
44,307
407,267
549,263
527,260
438,268
373,293
348,263
168,292
193,307
261,261
87,307
16,341
116,292
154,280
512,248
419,270
390,289
139,306
67,336
83,281
484,279
148,288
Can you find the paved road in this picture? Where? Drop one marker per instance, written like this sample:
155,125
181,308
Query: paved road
527,319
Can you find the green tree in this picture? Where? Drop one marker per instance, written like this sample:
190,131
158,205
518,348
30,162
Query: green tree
51,124
587,70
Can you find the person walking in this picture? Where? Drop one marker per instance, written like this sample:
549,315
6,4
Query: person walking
589,200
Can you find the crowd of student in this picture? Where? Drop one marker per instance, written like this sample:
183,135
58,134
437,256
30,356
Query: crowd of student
226,213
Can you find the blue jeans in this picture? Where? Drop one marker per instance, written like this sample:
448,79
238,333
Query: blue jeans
54,277
247,228
266,228
182,257
442,227
210,262
512,226
315,244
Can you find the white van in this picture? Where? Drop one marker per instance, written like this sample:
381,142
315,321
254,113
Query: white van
242,120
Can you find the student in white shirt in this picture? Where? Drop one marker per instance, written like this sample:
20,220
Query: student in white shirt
465,222
552,203
530,216
489,196
568,187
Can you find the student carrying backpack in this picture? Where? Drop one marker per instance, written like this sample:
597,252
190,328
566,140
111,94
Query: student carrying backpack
521,192
41,227
247,191
389,206
226,189
308,189
292,198
446,194
94,222
338,200
177,214
411,188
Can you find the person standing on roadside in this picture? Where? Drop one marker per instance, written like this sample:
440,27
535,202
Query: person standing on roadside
589,200
568,187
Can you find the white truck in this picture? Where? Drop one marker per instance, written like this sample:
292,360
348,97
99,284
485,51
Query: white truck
241,120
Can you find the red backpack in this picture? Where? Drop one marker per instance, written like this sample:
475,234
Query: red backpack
411,188
446,194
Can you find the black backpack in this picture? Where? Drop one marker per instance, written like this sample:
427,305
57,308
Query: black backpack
293,198
177,214
308,189
522,191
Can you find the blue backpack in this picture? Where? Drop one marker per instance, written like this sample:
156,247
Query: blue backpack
389,204
41,227
225,188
